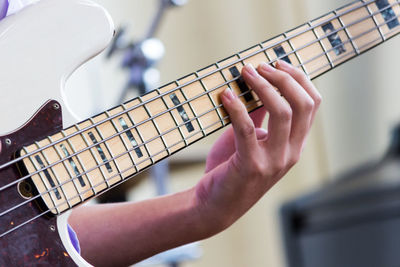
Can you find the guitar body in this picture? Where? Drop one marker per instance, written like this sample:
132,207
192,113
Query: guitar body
44,43
39,48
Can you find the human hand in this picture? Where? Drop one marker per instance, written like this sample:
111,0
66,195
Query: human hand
247,160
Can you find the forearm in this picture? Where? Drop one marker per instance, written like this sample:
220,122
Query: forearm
121,234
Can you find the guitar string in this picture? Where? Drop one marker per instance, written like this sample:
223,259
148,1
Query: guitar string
241,59
135,126
335,60
112,186
184,102
83,192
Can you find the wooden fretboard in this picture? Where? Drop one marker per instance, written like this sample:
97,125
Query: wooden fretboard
94,155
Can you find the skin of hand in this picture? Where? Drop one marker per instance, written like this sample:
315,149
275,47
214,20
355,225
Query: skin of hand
247,160
243,164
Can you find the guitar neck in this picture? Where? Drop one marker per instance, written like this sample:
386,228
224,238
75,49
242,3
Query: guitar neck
92,156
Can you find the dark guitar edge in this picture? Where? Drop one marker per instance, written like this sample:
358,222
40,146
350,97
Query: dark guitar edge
37,243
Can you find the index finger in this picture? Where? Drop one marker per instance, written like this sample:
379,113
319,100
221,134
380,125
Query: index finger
243,126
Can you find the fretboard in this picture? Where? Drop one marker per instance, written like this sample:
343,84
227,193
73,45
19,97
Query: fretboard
95,155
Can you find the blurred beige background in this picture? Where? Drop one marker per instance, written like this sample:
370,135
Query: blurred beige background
359,108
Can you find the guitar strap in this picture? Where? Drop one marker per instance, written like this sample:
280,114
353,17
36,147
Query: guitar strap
3,8
74,239
14,6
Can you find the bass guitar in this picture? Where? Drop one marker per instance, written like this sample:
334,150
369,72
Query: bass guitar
51,163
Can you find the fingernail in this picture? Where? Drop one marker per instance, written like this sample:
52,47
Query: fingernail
251,70
283,64
266,67
228,94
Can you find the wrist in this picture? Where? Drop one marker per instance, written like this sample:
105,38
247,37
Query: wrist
211,219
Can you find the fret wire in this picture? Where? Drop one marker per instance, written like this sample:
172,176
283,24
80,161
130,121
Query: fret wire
264,51
350,39
227,82
140,136
135,127
356,37
322,54
53,172
93,155
172,116
105,145
159,132
322,45
123,141
106,180
349,53
269,62
42,179
45,212
251,90
157,153
375,21
48,211
240,59
155,126
210,97
190,106
66,167
346,12
57,188
197,132
79,161
163,150
56,206
347,33
295,53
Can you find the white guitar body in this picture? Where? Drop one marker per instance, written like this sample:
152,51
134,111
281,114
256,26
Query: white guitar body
40,47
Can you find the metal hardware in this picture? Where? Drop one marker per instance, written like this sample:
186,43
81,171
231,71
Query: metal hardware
56,106
8,141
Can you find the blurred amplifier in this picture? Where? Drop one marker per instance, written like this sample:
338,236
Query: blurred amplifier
353,222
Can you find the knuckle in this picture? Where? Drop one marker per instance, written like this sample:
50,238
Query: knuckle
236,108
302,76
308,105
317,100
283,78
285,113
278,167
247,129
234,164
294,159
258,169
261,86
